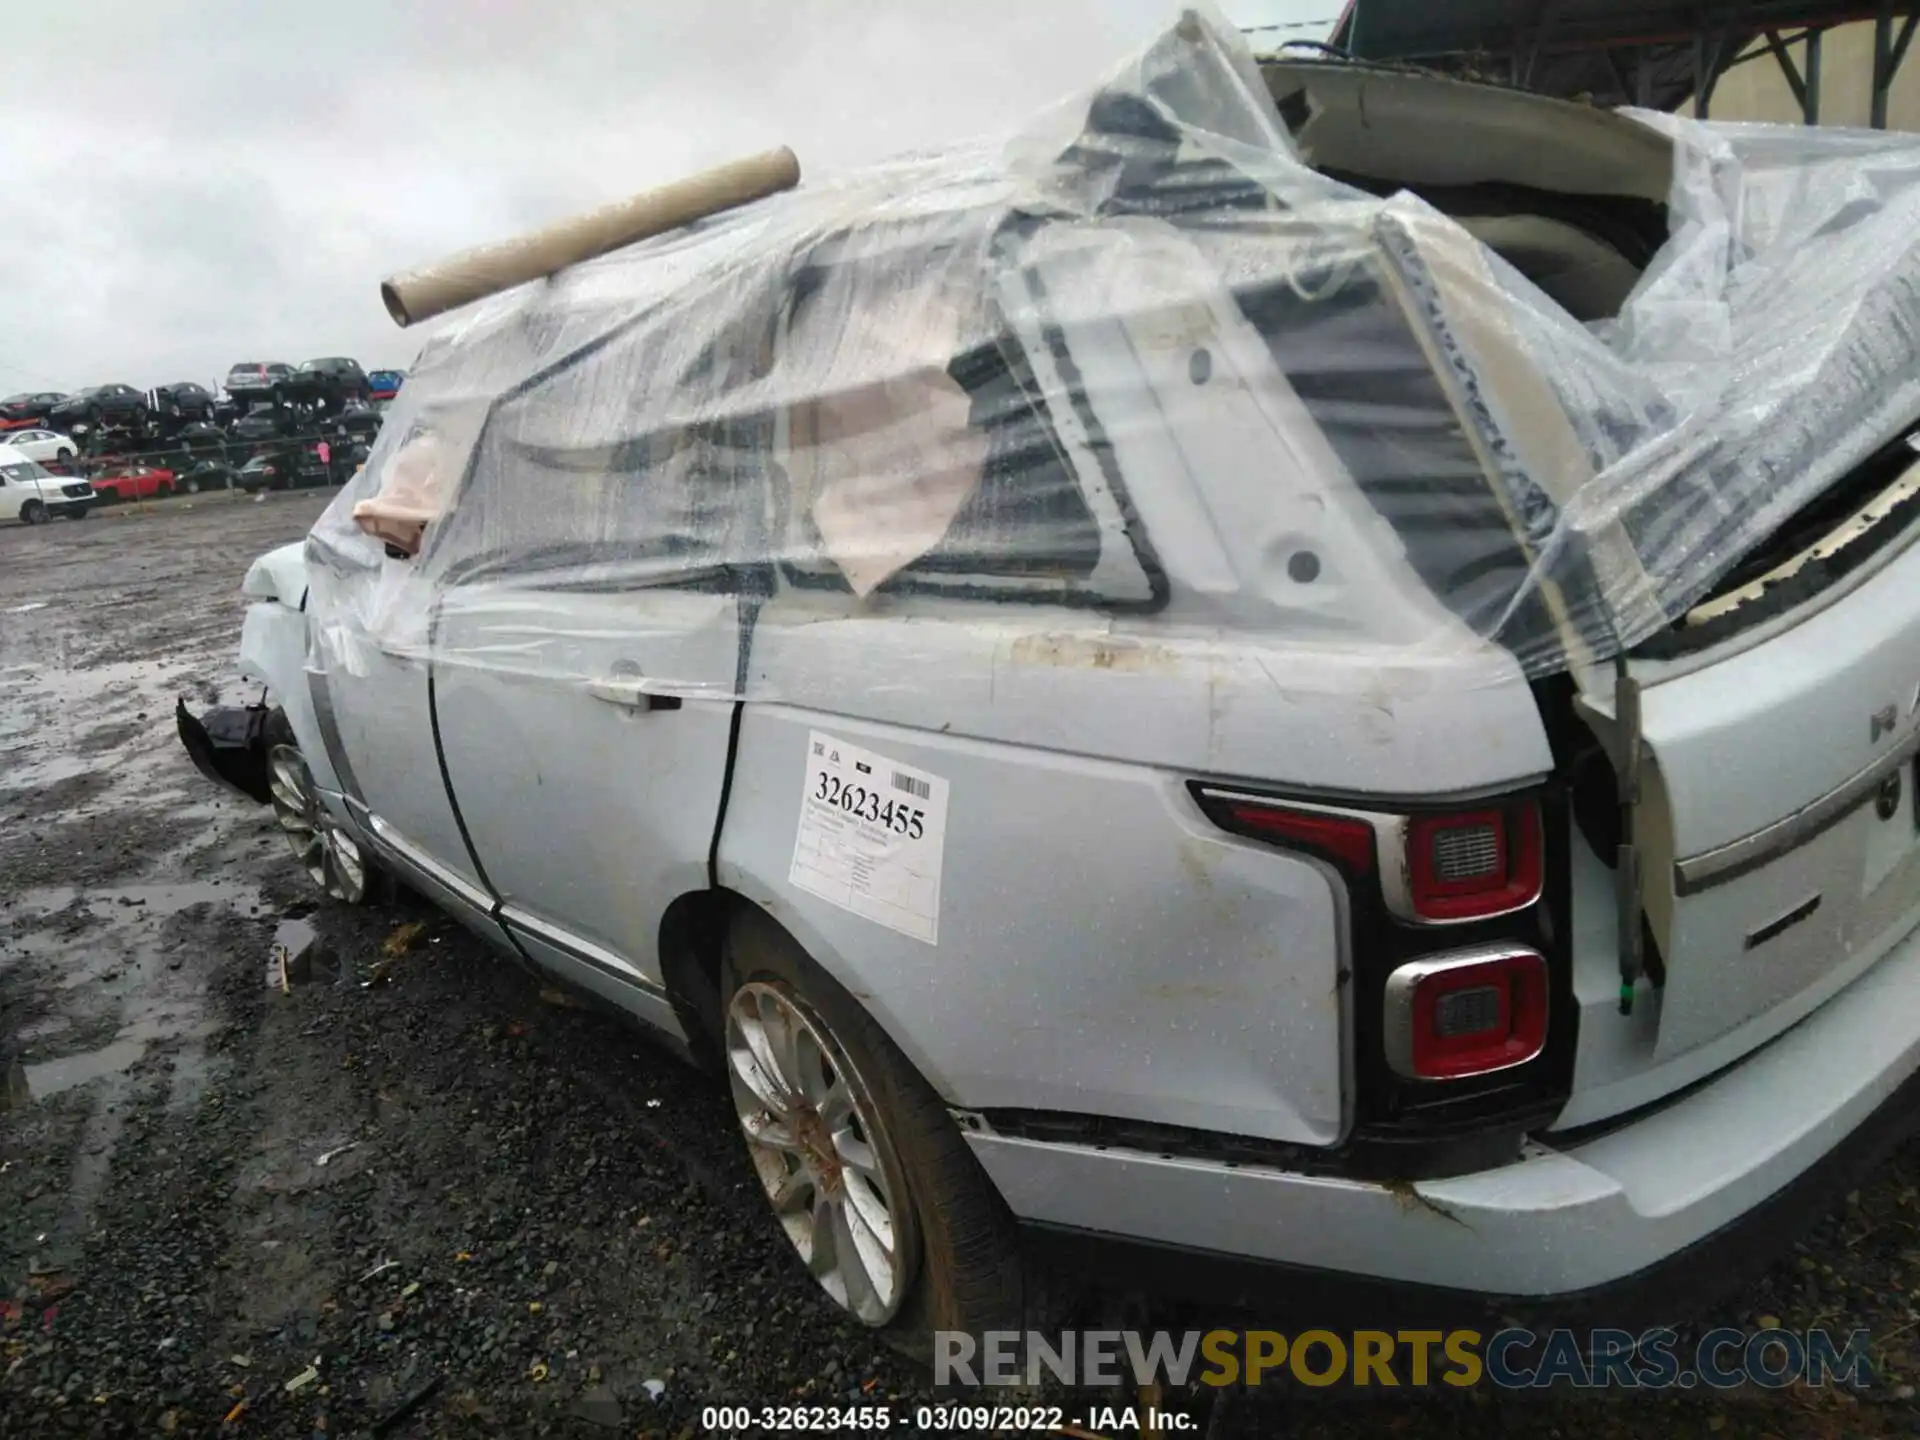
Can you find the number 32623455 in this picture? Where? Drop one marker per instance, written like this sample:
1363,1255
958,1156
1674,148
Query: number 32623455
871,806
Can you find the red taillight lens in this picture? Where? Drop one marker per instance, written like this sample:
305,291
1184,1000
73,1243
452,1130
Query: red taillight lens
1469,1013
1340,837
1475,865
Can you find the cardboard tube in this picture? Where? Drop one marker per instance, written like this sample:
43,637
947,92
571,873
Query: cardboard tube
475,274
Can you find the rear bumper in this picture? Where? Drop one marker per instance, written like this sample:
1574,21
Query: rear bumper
1644,1222
228,745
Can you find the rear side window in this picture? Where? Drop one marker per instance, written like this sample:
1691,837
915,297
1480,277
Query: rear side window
918,456
1024,518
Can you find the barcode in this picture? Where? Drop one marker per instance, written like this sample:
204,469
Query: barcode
911,786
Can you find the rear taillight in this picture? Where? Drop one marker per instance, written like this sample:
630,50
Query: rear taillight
1473,866
1345,838
1434,869
1468,1013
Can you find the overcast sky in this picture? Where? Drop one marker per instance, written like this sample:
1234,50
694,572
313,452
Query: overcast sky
194,183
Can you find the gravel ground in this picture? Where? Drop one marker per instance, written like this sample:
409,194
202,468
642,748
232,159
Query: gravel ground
454,1177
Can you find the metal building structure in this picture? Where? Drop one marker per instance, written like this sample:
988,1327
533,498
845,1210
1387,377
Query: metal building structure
1654,53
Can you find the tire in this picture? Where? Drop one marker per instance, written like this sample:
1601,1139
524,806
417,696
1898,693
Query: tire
956,1238
192,486
334,859
33,512
165,492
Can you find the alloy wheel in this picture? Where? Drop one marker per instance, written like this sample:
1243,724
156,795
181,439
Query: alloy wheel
330,856
821,1150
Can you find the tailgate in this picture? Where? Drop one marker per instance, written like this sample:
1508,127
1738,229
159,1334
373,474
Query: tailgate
1776,826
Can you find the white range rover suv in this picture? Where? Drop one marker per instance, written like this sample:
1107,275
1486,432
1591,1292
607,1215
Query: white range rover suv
1316,675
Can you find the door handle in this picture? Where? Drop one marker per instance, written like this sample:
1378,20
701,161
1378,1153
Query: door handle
630,692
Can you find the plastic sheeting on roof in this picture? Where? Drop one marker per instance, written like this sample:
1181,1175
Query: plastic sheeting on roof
1140,372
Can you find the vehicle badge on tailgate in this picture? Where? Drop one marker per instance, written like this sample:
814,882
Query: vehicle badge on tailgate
1884,719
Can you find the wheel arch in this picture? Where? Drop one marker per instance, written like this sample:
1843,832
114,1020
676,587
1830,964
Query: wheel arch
692,934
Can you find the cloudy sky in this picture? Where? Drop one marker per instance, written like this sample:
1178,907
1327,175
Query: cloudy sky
199,182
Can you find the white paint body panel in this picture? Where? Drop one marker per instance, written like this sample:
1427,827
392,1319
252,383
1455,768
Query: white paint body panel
1559,1222
1103,949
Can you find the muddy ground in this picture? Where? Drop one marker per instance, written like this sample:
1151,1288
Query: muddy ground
446,1182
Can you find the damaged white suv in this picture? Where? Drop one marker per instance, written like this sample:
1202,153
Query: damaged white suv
1313,695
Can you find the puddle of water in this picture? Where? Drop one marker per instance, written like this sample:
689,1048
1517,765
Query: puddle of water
41,1081
25,1084
118,902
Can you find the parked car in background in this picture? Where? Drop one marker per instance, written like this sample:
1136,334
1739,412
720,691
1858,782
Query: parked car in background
181,402
361,422
201,438
264,423
46,446
206,474
30,495
385,384
332,383
282,469
29,408
256,380
346,460
100,405
133,481
263,472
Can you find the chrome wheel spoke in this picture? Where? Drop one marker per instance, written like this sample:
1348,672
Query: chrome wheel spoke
857,1155
346,875
835,1104
816,1076
867,1206
772,1133
753,1066
791,1191
780,1044
824,1257
866,1262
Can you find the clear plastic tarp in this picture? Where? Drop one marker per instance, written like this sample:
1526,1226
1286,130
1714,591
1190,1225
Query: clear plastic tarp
1144,365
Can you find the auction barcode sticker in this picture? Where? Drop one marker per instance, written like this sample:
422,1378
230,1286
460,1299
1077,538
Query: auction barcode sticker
872,836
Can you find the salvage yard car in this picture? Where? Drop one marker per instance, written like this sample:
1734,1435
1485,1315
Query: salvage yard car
125,480
29,494
30,408
46,446
1316,678
255,382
